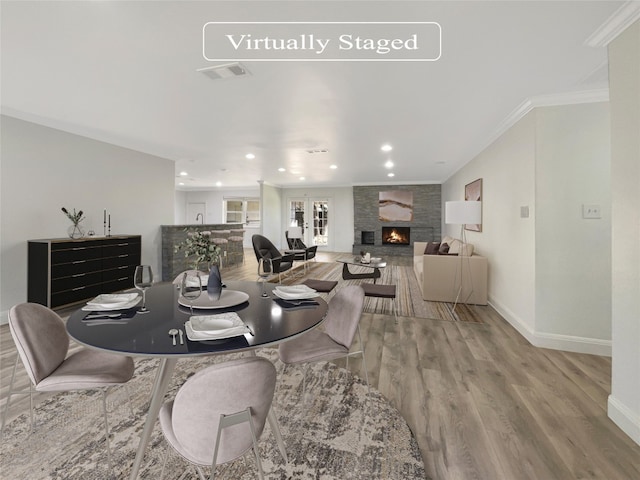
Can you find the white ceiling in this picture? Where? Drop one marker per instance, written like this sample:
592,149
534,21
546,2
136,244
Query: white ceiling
125,73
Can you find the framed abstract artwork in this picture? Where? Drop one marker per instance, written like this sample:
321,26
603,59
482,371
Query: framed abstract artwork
395,206
473,191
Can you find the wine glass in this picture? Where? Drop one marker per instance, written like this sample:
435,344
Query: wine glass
191,287
143,279
265,267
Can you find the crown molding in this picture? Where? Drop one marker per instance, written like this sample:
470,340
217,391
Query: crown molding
617,23
552,100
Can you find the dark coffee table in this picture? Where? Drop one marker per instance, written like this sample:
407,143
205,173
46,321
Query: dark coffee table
374,265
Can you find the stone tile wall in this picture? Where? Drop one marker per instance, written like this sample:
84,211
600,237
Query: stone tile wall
425,226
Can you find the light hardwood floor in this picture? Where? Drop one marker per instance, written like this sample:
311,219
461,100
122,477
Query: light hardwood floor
482,402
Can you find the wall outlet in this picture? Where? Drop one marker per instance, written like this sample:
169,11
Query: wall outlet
591,211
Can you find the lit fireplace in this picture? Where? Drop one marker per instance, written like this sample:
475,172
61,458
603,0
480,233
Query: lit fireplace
396,235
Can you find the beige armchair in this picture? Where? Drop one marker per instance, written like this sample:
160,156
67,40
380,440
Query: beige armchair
439,276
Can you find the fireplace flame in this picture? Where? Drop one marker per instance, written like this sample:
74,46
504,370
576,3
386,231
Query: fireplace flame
395,236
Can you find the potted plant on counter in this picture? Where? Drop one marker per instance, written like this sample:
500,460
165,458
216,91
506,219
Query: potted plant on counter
200,246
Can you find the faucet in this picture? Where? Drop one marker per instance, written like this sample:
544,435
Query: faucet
201,218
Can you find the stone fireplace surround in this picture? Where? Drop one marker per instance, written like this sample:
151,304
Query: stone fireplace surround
425,225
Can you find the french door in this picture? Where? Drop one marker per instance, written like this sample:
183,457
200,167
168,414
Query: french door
313,215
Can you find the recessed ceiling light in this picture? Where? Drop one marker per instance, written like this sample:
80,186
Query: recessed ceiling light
391,174
388,164
183,174
386,147
301,178
181,183
282,169
250,156
333,167
218,184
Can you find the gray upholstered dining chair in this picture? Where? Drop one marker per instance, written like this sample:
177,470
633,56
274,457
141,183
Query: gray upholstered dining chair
340,326
43,344
209,425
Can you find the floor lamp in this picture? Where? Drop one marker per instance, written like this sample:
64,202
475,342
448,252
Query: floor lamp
463,213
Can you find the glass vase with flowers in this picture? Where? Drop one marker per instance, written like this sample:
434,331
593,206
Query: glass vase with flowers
75,230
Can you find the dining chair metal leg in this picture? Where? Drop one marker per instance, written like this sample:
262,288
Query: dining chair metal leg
275,428
164,462
364,360
17,392
6,407
201,474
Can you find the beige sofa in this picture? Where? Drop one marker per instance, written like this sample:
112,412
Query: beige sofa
439,275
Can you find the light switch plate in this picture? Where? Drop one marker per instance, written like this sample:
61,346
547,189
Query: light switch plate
524,211
591,211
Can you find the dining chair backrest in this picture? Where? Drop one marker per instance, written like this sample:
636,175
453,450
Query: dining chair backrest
223,389
40,337
343,316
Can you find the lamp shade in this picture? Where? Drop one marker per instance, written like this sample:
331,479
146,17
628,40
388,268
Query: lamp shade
295,232
463,212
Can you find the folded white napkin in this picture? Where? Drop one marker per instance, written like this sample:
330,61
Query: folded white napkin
213,327
294,292
112,301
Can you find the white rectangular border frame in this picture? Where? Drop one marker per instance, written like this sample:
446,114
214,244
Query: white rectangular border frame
322,59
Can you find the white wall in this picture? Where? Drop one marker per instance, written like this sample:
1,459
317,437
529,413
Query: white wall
624,81
573,254
214,207
543,277
44,169
340,214
271,215
507,169
180,208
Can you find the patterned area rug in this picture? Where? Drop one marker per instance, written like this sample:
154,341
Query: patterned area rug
337,431
409,302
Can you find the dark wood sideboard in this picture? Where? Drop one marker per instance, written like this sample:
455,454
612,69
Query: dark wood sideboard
62,271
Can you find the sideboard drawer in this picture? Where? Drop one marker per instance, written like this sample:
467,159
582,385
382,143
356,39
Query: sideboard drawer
75,254
75,281
121,283
76,295
119,249
119,261
119,272
76,267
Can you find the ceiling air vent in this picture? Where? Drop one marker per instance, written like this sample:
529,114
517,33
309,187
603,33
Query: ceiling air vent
227,70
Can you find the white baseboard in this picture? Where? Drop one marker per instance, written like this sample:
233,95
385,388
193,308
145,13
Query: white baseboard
624,417
568,343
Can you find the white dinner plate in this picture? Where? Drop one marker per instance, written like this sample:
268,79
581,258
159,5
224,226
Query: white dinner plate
228,298
214,323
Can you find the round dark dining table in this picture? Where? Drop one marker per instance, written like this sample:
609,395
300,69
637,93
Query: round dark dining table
147,335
